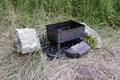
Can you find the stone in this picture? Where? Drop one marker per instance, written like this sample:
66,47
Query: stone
88,72
60,55
78,50
89,31
26,40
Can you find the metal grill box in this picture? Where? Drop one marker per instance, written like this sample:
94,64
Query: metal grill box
65,31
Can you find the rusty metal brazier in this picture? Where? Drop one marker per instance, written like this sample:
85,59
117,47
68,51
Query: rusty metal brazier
64,31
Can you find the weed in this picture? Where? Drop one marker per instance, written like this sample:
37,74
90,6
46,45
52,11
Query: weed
92,41
9,58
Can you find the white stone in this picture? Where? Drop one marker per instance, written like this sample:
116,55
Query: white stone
26,40
89,31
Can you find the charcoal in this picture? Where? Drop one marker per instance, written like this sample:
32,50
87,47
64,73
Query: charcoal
51,57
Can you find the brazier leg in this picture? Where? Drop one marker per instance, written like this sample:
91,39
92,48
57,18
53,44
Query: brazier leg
58,46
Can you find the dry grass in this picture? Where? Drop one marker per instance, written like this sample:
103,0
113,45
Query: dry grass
35,66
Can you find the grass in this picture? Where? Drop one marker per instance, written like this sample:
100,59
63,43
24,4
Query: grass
99,14
92,11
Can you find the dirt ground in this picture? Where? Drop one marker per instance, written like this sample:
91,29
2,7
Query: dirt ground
101,64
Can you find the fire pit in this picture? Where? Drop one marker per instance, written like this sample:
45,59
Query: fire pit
64,31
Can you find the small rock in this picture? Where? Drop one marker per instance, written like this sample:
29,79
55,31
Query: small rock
78,50
89,31
26,40
60,55
87,72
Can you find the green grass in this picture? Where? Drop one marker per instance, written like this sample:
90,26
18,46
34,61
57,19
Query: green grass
91,11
